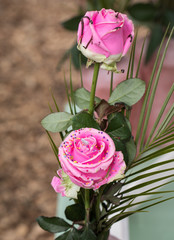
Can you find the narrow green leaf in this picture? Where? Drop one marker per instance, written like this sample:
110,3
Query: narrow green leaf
162,141
129,91
71,88
128,197
140,58
51,110
165,122
160,114
151,156
67,94
130,60
150,167
57,122
53,224
57,108
153,92
131,205
133,55
145,184
155,203
127,214
142,114
80,64
54,147
148,175
119,217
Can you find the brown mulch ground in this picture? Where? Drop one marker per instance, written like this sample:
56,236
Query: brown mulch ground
31,42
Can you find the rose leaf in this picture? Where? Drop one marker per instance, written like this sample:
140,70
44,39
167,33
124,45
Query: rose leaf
82,98
118,127
131,150
129,91
83,120
88,234
53,224
57,122
75,212
120,146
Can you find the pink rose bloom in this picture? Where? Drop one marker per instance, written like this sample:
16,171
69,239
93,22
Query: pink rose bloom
105,36
63,185
89,158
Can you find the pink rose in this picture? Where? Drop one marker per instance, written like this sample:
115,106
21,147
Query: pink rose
89,158
63,185
105,36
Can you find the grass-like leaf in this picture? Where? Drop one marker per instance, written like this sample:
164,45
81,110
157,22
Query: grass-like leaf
160,114
148,91
153,92
140,58
67,94
145,184
71,88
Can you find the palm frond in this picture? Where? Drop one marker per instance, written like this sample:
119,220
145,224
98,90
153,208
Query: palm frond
142,114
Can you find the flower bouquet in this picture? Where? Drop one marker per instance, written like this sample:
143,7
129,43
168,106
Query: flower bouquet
99,161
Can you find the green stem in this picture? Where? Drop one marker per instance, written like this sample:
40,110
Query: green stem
111,83
87,207
93,88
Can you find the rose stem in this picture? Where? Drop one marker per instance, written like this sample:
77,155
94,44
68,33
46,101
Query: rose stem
93,88
87,204
111,83
98,203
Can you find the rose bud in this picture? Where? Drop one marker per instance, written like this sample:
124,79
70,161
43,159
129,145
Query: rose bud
88,156
105,37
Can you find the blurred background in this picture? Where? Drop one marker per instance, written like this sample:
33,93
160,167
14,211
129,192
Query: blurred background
32,44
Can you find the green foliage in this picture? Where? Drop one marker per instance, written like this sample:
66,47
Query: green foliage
117,127
72,234
142,11
83,120
82,98
131,150
53,224
75,212
154,40
57,122
72,23
129,91
88,234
